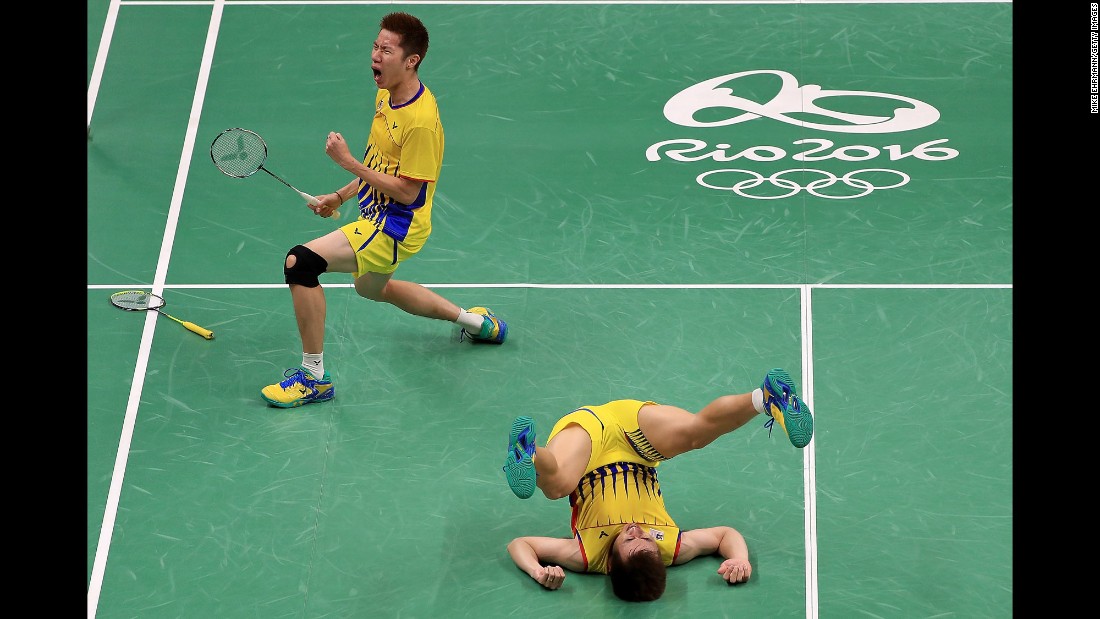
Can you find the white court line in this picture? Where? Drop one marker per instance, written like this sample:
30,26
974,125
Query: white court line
809,462
101,58
531,285
543,2
110,512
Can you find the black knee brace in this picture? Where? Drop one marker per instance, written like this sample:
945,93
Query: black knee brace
307,266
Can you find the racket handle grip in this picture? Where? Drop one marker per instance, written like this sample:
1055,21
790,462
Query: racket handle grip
315,202
194,328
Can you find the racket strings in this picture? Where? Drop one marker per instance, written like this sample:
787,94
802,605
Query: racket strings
136,300
238,152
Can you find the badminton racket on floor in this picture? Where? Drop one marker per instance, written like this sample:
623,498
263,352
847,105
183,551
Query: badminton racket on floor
139,300
240,153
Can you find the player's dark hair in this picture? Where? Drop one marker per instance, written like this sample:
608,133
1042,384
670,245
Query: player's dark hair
414,36
639,577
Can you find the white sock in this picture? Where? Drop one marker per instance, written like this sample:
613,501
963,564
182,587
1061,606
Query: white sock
470,321
758,399
314,363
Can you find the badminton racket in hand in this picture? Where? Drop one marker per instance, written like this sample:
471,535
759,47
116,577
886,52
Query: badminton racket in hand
139,300
240,153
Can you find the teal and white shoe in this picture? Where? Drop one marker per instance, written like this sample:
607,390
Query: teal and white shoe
519,464
493,329
782,404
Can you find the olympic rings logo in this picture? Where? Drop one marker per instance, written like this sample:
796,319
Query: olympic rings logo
828,179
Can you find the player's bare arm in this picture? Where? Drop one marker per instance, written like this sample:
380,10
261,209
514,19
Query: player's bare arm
724,541
531,553
402,189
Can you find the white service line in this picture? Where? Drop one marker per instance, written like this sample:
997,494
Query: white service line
110,511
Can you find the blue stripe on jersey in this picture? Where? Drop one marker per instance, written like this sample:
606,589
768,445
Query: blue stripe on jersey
396,217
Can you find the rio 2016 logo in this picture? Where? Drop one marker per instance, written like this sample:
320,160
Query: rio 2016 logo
716,94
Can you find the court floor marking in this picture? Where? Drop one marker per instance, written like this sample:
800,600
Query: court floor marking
536,286
809,454
137,383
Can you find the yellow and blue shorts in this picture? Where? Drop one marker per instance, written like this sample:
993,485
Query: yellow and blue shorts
376,251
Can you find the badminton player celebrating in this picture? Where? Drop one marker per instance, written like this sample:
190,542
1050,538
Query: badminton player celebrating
393,185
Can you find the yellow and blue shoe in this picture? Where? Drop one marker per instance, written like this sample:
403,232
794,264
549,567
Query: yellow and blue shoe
519,464
782,404
493,329
300,387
